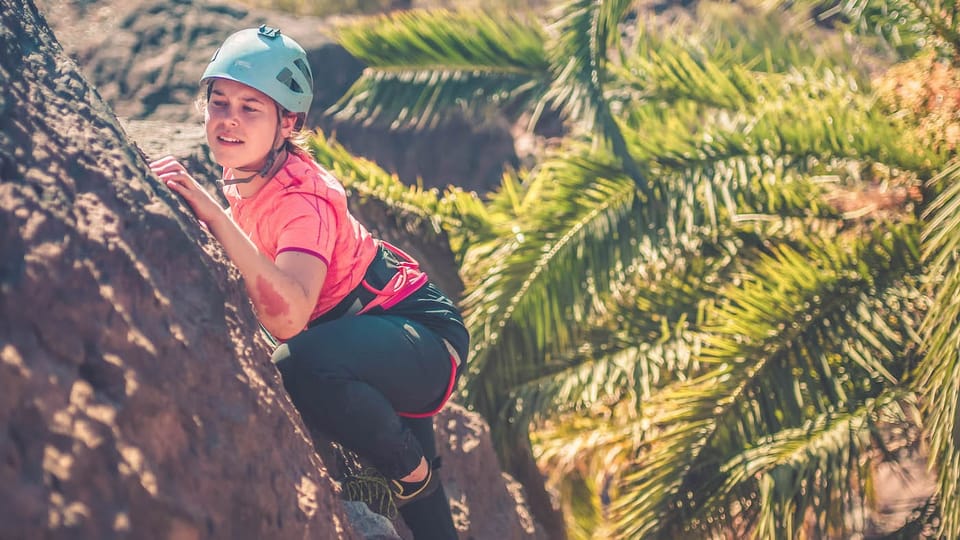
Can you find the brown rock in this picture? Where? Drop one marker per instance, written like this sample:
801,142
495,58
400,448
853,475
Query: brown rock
486,502
136,398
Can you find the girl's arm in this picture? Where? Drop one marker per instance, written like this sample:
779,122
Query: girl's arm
284,292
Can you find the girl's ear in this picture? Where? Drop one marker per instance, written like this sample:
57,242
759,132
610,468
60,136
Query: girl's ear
288,121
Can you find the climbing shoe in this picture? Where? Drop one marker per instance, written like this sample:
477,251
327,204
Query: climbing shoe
406,492
385,496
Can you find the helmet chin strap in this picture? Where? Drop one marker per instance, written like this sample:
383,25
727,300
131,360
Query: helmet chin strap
270,166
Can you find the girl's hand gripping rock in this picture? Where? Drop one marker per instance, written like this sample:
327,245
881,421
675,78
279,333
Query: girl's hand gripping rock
176,177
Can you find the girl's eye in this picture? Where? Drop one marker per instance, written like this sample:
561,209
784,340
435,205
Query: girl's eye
249,108
218,104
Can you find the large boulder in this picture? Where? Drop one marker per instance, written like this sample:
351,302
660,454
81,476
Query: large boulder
136,399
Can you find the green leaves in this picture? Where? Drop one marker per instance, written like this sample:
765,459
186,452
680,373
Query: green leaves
459,213
773,338
666,299
569,246
906,26
422,64
938,375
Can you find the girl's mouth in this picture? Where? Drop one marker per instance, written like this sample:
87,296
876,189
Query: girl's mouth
228,140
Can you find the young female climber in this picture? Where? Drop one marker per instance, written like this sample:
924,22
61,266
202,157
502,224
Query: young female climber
370,348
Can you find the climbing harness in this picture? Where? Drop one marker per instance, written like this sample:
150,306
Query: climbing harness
401,276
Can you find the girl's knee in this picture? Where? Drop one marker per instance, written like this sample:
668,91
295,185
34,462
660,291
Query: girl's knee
287,366
304,367
281,356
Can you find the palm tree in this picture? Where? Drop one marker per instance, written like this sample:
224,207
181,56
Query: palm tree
906,25
665,308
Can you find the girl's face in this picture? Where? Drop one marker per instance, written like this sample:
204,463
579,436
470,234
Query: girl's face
241,124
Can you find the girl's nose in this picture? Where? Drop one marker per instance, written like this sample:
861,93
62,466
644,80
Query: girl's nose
230,117
226,115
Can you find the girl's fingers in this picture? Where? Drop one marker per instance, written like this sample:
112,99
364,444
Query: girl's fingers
168,169
178,177
162,161
167,164
171,175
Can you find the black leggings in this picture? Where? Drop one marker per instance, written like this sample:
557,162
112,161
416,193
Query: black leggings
349,376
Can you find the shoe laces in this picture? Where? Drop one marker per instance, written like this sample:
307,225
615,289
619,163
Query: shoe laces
373,489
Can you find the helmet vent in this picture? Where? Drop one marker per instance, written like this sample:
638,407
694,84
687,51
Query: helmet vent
286,78
305,69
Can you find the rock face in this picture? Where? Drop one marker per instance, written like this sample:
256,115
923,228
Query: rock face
484,501
136,400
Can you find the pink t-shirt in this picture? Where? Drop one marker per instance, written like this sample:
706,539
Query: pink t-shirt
304,208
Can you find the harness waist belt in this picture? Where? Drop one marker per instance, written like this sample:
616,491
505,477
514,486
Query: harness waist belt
399,274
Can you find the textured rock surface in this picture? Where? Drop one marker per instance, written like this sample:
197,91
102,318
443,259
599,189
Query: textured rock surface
136,400
484,501
368,524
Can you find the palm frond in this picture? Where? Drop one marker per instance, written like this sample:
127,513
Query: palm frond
676,215
774,344
456,212
604,443
905,26
643,339
824,126
666,71
526,295
421,64
801,468
585,31
765,40
627,375
938,379
582,507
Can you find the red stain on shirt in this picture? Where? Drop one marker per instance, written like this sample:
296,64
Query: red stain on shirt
270,300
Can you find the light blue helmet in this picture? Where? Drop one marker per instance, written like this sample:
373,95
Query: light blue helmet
268,61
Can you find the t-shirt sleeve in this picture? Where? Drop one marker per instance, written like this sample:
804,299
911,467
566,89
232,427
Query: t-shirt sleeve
306,224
